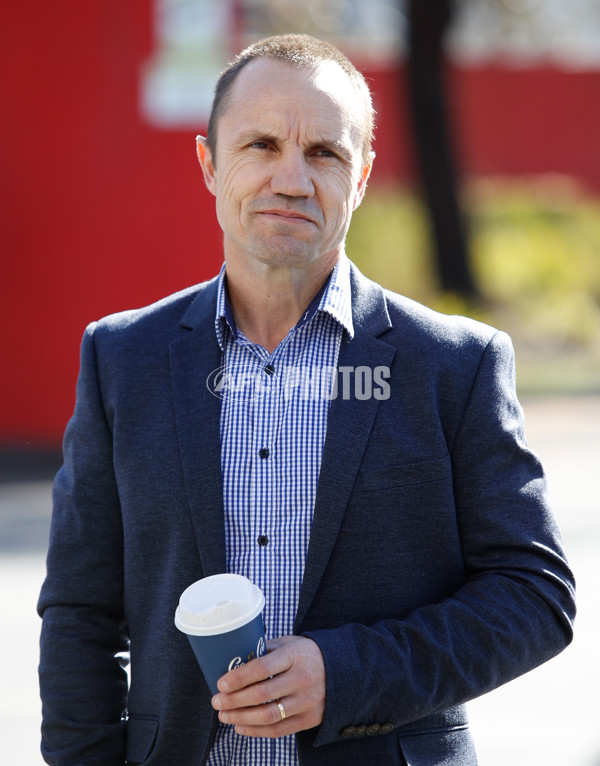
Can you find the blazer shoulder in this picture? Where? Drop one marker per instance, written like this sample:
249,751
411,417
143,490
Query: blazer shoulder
399,320
162,316
450,350
414,322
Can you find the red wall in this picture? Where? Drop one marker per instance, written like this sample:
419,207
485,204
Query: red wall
520,121
101,212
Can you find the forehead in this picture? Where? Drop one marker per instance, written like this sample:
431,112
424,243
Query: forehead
272,92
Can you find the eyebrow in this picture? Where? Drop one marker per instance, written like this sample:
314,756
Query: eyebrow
250,135
339,147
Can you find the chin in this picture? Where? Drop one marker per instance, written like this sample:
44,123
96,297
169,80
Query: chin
283,252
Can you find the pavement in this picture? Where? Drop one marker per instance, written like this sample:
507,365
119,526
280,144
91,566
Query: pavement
549,717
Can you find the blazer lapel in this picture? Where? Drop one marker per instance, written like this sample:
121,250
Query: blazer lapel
193,357
348,429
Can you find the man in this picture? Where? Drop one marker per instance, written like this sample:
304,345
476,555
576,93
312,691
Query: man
397,522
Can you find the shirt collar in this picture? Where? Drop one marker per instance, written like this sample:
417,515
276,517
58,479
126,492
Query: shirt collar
334,299
224,315
337,298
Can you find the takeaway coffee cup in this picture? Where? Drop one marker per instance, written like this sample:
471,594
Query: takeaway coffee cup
222,617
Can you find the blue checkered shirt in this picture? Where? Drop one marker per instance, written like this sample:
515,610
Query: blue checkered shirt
274,414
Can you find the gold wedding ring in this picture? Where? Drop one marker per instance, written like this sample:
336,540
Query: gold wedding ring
281,710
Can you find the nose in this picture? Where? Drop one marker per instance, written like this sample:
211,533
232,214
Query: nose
291,175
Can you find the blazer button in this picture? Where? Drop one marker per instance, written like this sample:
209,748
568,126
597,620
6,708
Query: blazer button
360,731
386,728
374,728
348,732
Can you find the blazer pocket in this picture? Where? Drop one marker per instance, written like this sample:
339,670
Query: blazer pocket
141,736
405,475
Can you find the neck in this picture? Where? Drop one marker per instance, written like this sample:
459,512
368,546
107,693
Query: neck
268,301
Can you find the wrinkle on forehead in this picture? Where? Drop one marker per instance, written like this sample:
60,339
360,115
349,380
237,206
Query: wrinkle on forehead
318,104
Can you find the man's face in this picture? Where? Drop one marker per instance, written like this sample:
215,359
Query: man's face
289,168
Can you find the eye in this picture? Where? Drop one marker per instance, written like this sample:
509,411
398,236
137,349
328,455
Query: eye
325,153
259,145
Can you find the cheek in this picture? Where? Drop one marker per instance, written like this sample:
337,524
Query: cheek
230,199
239,186
228,191
337,198
231,178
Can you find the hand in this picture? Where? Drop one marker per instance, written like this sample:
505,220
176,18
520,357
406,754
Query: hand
292,672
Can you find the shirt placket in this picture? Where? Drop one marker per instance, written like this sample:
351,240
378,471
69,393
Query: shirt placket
266,419
266,413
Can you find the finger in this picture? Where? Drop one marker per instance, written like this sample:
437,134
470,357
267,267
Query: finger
271,723
255,671
267,721
276,643
267,715
256,694
302,711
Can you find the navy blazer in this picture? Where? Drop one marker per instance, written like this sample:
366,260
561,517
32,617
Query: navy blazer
434,573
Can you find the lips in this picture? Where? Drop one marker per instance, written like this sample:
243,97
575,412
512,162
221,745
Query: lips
289,215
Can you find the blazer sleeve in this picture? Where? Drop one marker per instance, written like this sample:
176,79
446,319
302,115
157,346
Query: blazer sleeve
516,606
83,686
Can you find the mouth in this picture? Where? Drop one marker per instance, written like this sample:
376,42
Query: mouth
289,216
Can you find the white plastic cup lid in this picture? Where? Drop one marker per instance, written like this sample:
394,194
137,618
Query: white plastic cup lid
218,604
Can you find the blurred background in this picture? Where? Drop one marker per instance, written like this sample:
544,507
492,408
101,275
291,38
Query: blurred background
484,200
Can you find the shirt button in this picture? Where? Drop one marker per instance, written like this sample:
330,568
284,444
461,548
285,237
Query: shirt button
263,452
269,369
263,540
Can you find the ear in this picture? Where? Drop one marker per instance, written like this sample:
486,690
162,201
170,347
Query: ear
362,183
206,163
